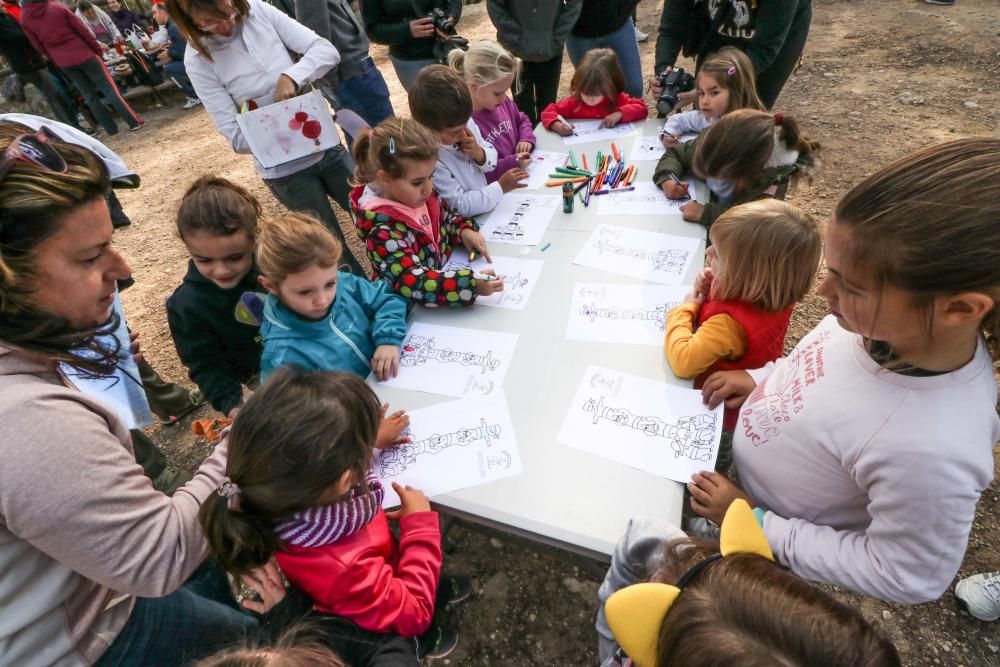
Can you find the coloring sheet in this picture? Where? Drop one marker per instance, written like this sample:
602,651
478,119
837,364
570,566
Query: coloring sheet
651,148
289,130
519,219
455,445
542,164
649,425
622,313
585,131
452,361
646,199
658,258
519,278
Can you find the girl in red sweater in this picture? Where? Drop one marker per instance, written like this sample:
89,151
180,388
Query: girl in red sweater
597,90
762,260
300,488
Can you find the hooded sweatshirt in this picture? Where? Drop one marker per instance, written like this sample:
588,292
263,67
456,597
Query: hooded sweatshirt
57,33
82,530
363,316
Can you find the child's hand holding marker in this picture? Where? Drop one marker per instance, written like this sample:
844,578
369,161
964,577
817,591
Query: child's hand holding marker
488,282
523,160
612,119
562,127
390,428
675,188
475,244
669,140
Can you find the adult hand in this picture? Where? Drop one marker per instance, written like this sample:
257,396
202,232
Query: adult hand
285,89
266,582
410,501
423,27
712,494
473,240
524,147
675,190
692,211
731,387
700,289
612,119
163,58
561,128
385,362
487,287
390,429
511,179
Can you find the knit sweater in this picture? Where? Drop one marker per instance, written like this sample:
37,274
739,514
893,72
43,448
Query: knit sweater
571,107
82,530
870,478
503,128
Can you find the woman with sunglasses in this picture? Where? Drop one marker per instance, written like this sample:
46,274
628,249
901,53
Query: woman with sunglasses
95,565
239,56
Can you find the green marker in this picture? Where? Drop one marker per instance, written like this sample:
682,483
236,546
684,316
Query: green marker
572,158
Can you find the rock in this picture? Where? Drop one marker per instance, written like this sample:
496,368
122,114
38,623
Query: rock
829,74
886,614
971,105
494,542
946,647
855,114
907,97
532,617
572,585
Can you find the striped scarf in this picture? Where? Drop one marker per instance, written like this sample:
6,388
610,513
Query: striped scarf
319,526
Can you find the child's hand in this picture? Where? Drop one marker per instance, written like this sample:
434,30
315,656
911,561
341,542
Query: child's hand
612,119
511,180
669,140
702,286
675,190
390,429
473,240
524,147
134,347
385,362
524,159
692,211
733,387
410,501
468,145
487,287
266,582
561,128
712,494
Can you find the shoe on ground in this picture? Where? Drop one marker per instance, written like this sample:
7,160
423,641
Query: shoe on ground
437,642
701,527
640,36
138,127
980,595
940,2
455,588
191,103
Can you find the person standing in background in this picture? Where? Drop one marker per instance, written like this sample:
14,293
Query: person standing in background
171,55
100,24
535,31
607,24
123,17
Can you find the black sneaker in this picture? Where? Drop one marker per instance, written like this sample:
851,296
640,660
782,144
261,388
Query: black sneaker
454,588
437,642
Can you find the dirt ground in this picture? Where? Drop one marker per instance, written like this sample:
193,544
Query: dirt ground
880,78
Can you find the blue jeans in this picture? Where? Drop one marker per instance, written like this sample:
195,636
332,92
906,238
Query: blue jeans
192,622
622,42
366,94
176,72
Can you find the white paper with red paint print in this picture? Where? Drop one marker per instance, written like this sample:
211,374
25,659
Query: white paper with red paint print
289,130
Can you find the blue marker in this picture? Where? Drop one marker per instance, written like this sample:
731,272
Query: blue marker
545,247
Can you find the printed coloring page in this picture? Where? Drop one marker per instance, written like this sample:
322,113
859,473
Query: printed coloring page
519,278
659,258
622,313
586,131
519,219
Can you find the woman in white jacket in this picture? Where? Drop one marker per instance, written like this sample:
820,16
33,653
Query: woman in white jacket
240,53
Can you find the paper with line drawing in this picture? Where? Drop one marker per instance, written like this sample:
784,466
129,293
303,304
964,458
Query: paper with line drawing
519,278
621,313
652,256
520,219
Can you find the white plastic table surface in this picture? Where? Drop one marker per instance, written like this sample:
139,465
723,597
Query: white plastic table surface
566,497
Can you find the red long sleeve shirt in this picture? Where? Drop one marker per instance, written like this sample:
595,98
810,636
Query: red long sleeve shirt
632,109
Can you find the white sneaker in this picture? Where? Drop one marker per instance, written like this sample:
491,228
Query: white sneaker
191,103
640,36
980,594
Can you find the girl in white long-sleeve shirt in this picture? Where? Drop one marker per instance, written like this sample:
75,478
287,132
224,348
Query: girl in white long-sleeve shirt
240,52
867,448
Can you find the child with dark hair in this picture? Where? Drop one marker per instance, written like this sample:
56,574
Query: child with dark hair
215,314
441,102
744,156
597,90
299,487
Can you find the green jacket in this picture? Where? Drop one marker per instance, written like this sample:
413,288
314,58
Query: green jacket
679,158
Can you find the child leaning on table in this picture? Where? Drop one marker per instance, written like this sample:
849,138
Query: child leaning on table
670,599
597,90
300,488
440,101
408,230
743,156
761,262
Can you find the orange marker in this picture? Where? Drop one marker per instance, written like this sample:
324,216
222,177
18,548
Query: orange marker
552,184
584,156
614,149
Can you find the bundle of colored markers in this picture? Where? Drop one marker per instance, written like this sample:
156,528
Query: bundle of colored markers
610,174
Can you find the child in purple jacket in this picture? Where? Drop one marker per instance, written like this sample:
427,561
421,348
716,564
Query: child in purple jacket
490,71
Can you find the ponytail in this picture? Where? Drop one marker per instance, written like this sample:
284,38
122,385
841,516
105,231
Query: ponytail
456,61
362,171
239,540
383,147
792,137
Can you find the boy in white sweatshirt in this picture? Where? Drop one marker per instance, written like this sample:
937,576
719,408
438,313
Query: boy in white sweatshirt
440,101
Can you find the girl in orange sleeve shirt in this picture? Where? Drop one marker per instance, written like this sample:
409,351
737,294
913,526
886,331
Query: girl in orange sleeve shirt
597,91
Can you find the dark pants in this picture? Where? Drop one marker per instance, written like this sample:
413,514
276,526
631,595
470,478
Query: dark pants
772,80
41,80
92,79
310,190
539,86
177,73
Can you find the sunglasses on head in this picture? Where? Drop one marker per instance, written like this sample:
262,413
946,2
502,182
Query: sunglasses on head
35,149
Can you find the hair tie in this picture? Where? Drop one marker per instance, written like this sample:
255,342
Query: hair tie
731,71
392,146
778,119
229,489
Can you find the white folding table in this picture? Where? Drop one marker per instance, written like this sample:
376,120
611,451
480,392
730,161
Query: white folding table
566,498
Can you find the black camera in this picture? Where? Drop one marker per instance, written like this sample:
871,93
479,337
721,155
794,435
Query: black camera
674,82
442,22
